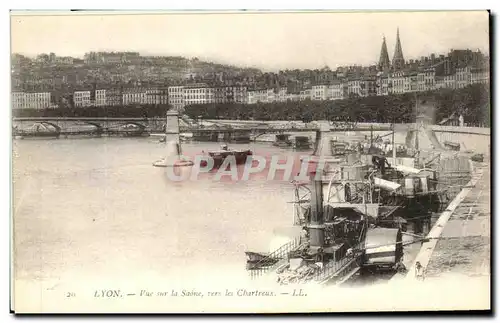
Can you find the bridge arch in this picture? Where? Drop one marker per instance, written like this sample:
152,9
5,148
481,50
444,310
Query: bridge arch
56,126
140,125
95,124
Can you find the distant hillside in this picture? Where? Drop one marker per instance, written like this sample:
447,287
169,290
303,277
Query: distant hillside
108,70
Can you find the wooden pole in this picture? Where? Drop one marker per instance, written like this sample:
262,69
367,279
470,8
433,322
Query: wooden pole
393,141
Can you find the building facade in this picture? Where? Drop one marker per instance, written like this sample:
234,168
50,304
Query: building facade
176,96
134,96
100,98
319,92
260,96
81,99
31,100
114,97
198,94
240,94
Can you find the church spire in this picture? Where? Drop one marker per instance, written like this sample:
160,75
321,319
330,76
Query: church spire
383,62
398,60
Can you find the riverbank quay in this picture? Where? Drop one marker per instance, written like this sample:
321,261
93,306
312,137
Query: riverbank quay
459,243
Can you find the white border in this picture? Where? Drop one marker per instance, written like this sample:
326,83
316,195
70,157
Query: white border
179,5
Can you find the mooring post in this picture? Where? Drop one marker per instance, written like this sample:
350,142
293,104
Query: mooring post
172,142
172,130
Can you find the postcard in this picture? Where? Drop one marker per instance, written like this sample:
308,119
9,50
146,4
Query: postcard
250,162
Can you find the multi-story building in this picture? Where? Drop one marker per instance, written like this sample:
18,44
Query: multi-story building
319,92
398,82
155,96
114,97
480,75
335,91
198,94
210,95
450,81
40,100
100,98
368,86
354,87
382,83
412,81
426,79
260,96
293,97
271,96
223,94
463,76
111,57
32,100
176,96
81,99
440,82
18,100
134,96
305,95
240,94
281,95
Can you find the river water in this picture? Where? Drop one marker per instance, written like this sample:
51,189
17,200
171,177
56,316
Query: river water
95,212
99,207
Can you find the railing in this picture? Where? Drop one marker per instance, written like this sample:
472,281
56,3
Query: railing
337,267
280,253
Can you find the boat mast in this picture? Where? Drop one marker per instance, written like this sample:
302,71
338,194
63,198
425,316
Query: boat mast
416,130
371,138
393,141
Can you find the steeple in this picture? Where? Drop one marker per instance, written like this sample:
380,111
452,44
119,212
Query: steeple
398,60
383,62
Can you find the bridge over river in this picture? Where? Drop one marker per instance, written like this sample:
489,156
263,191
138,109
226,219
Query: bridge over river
467,137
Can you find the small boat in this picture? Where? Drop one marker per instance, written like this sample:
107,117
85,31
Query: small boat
282,140
182,138
220,155
452,145
302,142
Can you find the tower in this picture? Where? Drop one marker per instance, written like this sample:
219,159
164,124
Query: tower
383,62
398,60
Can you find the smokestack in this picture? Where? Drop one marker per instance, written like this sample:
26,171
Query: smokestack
316,227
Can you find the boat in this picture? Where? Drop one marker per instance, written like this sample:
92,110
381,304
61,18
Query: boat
218,156
282,141
338,239
236,136
349,217
204,136
452,145
163,137
337,214
302,143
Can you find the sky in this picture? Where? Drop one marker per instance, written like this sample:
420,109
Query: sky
270,41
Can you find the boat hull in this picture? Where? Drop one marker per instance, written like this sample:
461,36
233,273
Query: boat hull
240,157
